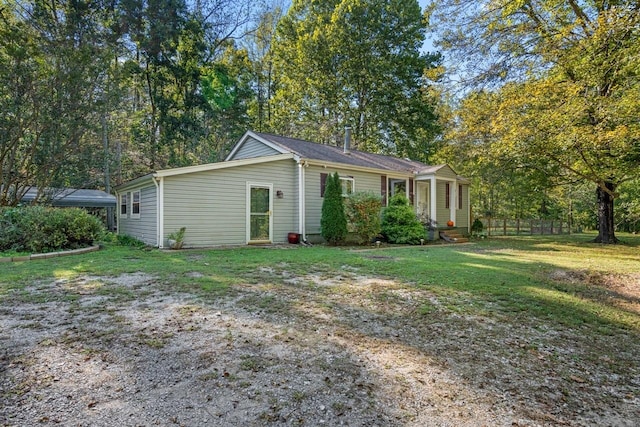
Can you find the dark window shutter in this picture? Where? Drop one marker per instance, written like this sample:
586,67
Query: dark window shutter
323,183
459,196
411,191
447,195
383,189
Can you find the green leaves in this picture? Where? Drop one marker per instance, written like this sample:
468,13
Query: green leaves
333,222
358,63
563,77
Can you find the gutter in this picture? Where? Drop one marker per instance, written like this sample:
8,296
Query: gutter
302,164
159,183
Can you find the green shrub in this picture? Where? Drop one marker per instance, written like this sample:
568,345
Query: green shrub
363,213
333,222
400,223
126,240
477,226
176,238
11,237
40,229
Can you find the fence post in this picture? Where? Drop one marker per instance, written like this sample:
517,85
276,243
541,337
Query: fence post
518,226
551,231
489,227
560,230
542,227
504,227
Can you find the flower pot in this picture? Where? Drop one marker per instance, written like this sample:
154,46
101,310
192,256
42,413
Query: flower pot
293,238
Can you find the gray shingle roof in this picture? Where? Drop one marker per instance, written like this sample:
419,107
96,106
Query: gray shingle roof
313,151
72,197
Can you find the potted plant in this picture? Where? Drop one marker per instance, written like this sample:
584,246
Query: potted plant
176,239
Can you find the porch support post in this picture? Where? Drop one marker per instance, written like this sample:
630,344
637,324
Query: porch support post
432,199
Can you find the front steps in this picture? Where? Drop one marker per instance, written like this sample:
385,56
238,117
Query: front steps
452,236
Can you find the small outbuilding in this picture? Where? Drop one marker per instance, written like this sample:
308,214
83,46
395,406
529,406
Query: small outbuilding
73,197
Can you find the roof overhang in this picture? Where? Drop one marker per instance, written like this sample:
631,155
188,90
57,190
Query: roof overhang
222,165
201,168
336,165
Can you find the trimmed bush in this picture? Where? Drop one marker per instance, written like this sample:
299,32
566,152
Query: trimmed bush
333,222
363,213
400,223
39,229
477,226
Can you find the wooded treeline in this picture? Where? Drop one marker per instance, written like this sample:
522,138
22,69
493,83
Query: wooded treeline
534,101
550,109
130,86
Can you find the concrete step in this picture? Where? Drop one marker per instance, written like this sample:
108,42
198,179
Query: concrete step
452,236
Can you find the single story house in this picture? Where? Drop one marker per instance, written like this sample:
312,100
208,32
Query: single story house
270,186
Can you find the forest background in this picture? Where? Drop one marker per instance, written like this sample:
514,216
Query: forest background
534,101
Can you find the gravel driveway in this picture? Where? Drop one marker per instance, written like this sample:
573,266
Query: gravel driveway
314,350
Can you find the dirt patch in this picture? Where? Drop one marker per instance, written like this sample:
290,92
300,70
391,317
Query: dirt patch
622,290
307,349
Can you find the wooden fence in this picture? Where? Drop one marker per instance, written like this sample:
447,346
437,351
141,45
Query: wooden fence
515,227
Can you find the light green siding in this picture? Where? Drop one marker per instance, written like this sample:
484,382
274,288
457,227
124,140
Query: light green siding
462,213
363,181
443,214
145,227
212,204
253,148
446,172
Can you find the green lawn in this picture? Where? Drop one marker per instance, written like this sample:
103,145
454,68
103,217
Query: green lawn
562,279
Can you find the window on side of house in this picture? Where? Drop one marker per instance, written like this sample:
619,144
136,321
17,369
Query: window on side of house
124,204
348,185
447,195
135,204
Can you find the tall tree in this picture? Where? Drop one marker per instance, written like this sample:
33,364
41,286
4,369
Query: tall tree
565,76
53,56
357,63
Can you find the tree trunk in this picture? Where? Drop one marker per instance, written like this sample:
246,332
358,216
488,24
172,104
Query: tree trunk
606,226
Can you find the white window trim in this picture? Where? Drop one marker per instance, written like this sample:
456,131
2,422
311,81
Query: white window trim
126,204
353,185
136,215
248,210
391,186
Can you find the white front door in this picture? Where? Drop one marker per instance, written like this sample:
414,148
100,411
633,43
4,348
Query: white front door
259,213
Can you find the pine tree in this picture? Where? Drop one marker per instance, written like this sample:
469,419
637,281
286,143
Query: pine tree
333,223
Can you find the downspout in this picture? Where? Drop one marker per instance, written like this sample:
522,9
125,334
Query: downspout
159,182
301,201
117,211
468,208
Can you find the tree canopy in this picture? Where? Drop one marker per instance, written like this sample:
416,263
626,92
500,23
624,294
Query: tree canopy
357,63
558,81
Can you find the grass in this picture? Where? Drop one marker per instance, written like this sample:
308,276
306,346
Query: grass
511,278
535,313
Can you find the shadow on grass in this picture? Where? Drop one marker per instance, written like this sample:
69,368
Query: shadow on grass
492,314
